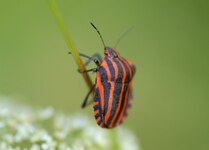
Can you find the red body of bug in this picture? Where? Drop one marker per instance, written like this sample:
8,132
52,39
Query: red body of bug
113,87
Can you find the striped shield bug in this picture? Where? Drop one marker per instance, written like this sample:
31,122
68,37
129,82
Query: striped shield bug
113,86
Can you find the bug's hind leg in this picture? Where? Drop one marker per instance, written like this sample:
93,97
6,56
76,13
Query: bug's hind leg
84,104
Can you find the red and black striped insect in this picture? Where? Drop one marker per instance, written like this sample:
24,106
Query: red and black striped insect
112,88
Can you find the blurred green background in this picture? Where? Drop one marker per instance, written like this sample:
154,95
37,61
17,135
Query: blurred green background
169,46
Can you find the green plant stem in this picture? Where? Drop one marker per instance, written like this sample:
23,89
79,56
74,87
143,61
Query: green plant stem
60,21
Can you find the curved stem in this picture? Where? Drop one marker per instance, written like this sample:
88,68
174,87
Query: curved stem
61,23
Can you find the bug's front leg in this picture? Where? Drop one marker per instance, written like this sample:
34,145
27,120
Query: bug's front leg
96,58
89,70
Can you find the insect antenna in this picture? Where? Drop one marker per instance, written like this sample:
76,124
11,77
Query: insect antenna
122,36
98,33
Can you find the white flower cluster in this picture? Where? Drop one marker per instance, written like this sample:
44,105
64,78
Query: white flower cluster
24,128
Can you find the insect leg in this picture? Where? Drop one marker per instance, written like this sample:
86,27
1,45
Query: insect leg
89,70
96,58
84,104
